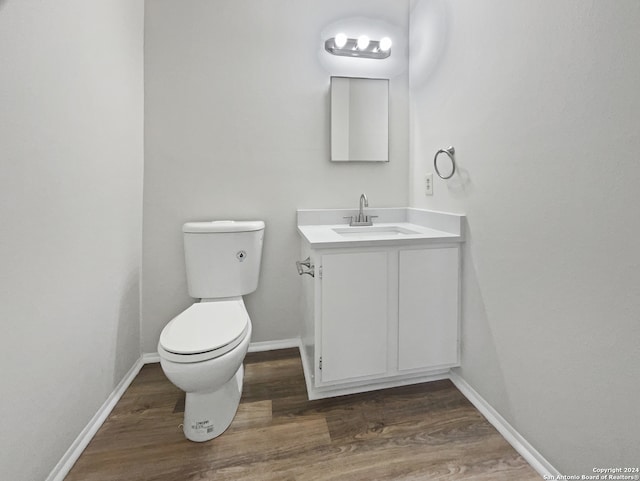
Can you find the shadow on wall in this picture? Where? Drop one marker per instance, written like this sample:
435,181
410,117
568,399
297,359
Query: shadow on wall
460,184
127,338
428,39
479,355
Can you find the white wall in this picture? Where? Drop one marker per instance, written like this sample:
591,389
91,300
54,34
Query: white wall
541,101
237,126
70,210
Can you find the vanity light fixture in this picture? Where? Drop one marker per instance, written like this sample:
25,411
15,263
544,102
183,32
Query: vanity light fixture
358,47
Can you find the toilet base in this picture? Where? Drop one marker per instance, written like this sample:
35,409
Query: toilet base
207,415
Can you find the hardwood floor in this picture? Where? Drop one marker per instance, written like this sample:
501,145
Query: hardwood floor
421,432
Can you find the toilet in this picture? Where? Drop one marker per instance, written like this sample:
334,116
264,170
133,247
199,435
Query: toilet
201,349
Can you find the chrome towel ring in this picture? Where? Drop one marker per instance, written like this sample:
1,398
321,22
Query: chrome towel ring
450,151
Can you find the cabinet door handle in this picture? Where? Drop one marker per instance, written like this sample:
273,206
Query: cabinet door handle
301,265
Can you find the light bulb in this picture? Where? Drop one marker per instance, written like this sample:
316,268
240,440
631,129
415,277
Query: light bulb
385,44
363,42
340,40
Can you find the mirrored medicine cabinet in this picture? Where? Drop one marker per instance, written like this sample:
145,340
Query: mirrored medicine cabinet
359,119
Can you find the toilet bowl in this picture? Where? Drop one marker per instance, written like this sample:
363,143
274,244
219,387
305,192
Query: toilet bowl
201,349
201,352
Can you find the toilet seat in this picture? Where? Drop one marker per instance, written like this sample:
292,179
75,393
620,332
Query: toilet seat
204,331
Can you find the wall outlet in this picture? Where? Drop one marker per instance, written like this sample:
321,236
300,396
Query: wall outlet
428,184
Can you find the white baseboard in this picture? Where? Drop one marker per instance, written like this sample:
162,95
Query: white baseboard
150,357
77,447
274,345
513,437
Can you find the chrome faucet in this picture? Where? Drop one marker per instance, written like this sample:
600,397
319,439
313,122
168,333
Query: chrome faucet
364,202
361,219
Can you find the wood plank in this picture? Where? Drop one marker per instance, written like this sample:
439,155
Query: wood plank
181,459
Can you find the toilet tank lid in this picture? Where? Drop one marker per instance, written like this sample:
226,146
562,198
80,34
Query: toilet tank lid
223,226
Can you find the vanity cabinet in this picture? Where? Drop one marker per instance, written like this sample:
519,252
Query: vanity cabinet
379,317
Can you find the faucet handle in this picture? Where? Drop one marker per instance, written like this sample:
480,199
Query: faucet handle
350,217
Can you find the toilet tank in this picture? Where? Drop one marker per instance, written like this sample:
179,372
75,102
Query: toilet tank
222,257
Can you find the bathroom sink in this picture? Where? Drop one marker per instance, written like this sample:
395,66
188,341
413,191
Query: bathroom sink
327,228
374,231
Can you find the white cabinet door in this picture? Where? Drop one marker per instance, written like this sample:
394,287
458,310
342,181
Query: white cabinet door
354,315
428,308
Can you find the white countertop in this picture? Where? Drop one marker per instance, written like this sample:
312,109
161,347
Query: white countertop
317,227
